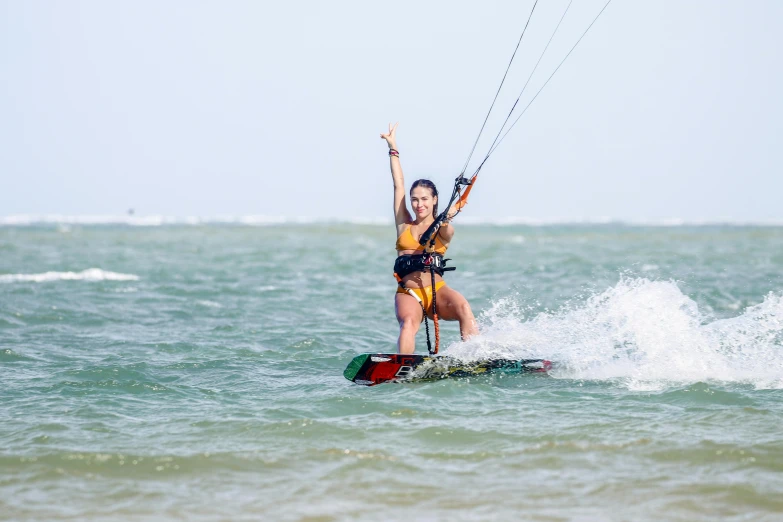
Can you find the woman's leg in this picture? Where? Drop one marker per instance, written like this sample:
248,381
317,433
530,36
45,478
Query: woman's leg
453,307
409,315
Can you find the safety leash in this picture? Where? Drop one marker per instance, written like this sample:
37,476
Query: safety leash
434,304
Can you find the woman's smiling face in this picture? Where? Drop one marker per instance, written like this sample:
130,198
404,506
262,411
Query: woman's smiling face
422,201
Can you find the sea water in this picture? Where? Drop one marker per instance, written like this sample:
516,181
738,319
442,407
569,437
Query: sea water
156,370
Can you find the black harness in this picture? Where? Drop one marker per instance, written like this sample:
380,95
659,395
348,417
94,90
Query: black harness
405,265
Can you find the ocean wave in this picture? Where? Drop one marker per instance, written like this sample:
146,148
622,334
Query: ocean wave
264,220
91,274
161,220
644,334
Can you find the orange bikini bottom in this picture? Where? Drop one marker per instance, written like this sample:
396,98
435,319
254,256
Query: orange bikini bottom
423,295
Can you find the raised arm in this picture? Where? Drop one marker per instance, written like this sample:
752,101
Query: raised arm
401,214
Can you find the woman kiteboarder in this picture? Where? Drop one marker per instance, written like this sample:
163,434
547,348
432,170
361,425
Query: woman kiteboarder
419,266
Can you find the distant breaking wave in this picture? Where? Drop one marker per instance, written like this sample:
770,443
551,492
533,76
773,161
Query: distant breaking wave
159,220
91,274
260,220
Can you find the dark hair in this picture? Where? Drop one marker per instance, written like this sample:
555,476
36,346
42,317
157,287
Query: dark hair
430,185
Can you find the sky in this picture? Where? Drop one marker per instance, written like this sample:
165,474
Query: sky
668,109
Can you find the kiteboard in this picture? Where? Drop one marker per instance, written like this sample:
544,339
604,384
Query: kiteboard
376,368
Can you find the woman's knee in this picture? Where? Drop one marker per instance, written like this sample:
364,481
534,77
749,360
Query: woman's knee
464,312
409,323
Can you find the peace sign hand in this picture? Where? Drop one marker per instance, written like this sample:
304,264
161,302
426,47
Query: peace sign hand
391,137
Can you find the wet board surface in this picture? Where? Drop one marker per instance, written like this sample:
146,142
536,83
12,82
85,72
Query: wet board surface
376,368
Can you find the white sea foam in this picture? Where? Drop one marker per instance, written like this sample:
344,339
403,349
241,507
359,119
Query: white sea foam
209,304
264,220
644,334
91,274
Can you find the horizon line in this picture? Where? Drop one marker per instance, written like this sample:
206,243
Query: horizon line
267,220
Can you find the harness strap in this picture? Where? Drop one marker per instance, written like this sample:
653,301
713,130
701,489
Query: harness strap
434,308
434,316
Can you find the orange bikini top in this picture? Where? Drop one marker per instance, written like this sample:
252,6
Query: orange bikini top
406,241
